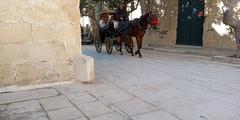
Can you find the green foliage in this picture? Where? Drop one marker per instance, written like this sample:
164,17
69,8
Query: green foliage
90,7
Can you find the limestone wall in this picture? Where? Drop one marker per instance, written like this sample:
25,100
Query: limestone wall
166,33
216,34
38,39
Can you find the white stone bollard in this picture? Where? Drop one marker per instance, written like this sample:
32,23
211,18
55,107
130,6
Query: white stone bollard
84,68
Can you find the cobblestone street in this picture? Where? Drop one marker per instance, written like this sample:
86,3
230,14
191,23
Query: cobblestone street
159,86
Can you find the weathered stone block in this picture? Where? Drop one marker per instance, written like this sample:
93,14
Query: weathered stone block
15,33
27,73
9,10
43,33
13,53
6,76
43,72
72,50
156,38
71,10
43,51
51,11
70,33
64,70
46,11
10,53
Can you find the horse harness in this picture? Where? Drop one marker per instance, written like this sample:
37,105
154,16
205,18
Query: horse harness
136,22
139,24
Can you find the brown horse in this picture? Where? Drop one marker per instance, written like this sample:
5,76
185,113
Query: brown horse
136,28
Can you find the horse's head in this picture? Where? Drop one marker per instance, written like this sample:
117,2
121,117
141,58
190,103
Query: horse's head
152,19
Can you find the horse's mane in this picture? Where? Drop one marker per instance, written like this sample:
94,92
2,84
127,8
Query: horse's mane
143,18
140,21
135,21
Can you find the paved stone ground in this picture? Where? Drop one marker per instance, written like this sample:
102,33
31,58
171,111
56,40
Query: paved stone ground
160,86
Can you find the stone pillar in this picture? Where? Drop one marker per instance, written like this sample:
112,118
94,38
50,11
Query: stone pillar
39,40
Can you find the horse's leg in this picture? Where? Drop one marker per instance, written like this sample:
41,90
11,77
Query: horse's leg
136,52
120,46
137,40
139,47
130,44
118,43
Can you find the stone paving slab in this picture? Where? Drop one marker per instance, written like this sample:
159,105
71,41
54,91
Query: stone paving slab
81,98
26,95
70,89
82,118
94,109
135,107
220,109
23,107
56,102
233,99
111,116
68,113
3,112
179,102
112,96
29,116
190,113
156,115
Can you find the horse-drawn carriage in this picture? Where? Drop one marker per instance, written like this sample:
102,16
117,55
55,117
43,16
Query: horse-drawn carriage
109,33
115,33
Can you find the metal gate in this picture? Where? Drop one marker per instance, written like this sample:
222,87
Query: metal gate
190,22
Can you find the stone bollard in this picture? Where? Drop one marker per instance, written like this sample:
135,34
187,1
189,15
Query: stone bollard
83,68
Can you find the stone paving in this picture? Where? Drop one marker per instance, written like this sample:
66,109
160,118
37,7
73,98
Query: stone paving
160,86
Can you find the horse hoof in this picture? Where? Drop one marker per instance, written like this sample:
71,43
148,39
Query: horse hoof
132,54
140,56
121,54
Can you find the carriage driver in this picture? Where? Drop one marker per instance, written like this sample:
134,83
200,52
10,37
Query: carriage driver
103,27
121,13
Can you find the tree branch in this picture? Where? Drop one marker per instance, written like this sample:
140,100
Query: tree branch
228,19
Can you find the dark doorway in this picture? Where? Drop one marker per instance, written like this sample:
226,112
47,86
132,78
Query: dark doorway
190,22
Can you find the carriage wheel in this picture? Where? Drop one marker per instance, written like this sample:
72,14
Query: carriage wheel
109,44
128,45
98,44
